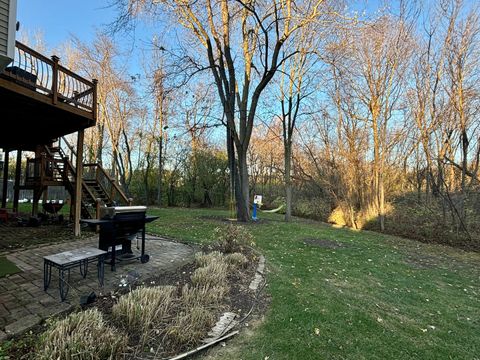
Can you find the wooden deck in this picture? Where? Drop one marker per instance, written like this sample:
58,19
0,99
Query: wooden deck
41,100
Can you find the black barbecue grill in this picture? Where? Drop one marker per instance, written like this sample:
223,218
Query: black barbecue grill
119,226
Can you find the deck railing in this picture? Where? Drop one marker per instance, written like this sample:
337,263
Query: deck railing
43,75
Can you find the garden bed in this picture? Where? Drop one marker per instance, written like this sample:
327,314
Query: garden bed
239,299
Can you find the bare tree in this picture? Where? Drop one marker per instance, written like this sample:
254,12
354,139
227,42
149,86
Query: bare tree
377,69
462,82
242,42
297,82
116,99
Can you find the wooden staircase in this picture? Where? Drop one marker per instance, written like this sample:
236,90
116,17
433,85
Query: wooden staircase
55,168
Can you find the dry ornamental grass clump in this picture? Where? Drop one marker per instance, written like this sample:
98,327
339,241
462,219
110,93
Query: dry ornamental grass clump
146,309
211,275
189,327
203,259
82,335
236,260
208,296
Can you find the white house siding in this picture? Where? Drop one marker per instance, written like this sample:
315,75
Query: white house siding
8,19
4,16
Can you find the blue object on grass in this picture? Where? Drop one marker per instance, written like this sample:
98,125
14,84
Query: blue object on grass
254,215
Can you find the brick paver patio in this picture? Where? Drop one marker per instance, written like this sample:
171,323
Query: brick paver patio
23,303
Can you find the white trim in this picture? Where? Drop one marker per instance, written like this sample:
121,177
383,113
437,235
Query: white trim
12,25
7,58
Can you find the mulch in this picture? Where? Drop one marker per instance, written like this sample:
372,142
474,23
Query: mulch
14,236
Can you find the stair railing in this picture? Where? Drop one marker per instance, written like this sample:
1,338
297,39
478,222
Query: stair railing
91,172
70,171
109,186
66,149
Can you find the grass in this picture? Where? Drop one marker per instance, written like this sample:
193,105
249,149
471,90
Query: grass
373,297
26,208
7,267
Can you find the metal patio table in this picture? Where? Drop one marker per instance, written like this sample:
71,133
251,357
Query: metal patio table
67,260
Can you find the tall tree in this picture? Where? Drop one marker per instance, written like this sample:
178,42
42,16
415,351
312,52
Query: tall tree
297,82
116,105
242,43
377,68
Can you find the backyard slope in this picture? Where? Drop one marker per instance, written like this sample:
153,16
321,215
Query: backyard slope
340,294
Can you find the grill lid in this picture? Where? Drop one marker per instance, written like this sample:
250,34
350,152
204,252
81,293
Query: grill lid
124,209
111,211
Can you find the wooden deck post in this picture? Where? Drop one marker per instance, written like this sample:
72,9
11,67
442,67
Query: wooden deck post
18,172
94,104
5,179
55,60
78,182
37,193
38,174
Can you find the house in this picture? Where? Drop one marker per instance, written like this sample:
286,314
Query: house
8,16
42,101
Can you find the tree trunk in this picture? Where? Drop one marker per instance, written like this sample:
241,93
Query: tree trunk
377,181
232,169
160,171
381,201
243,198
288,180
101,135
463,183
145,180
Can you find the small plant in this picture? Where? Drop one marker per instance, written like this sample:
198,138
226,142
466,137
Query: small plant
211,275
145,309
82,335
190,326
234,238
235,260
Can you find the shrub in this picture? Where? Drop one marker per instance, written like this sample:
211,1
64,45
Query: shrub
211,275
190,326
312,208
82,335
233,238
337,217
235,260
145,309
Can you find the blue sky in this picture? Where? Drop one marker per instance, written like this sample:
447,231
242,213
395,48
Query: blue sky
57,19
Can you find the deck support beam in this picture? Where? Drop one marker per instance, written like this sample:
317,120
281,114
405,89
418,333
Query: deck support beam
5,178
78,182
18,172
38,188
37,192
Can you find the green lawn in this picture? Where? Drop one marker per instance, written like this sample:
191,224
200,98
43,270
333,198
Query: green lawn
7,267
376,297
26,208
